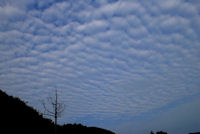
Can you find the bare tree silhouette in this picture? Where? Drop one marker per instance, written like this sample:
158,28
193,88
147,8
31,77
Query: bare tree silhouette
56,109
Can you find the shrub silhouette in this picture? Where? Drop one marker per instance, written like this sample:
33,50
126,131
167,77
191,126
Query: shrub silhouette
161,132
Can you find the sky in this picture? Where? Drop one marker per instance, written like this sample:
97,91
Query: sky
129,66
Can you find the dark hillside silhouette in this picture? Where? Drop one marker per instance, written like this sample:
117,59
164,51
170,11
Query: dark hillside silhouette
16,117
80,129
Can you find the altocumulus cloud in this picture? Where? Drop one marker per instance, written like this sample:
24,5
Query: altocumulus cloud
107,58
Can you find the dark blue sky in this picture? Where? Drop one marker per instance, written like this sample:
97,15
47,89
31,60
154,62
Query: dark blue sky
130,66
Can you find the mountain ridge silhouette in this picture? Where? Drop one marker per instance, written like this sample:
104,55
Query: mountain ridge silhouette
17,117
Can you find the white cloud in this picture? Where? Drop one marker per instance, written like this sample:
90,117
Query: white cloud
93,27
57,13
119,8
11,13
169,4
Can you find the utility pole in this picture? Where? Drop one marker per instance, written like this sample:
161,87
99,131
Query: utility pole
56,109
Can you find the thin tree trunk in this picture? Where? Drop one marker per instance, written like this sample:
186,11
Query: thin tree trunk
58,108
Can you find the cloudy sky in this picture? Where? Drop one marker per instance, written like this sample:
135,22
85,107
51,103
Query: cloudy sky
129,66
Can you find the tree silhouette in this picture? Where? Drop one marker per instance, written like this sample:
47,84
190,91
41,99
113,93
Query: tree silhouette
56,109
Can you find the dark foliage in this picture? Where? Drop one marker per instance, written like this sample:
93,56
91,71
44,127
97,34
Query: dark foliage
195,133
17,117
161,132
